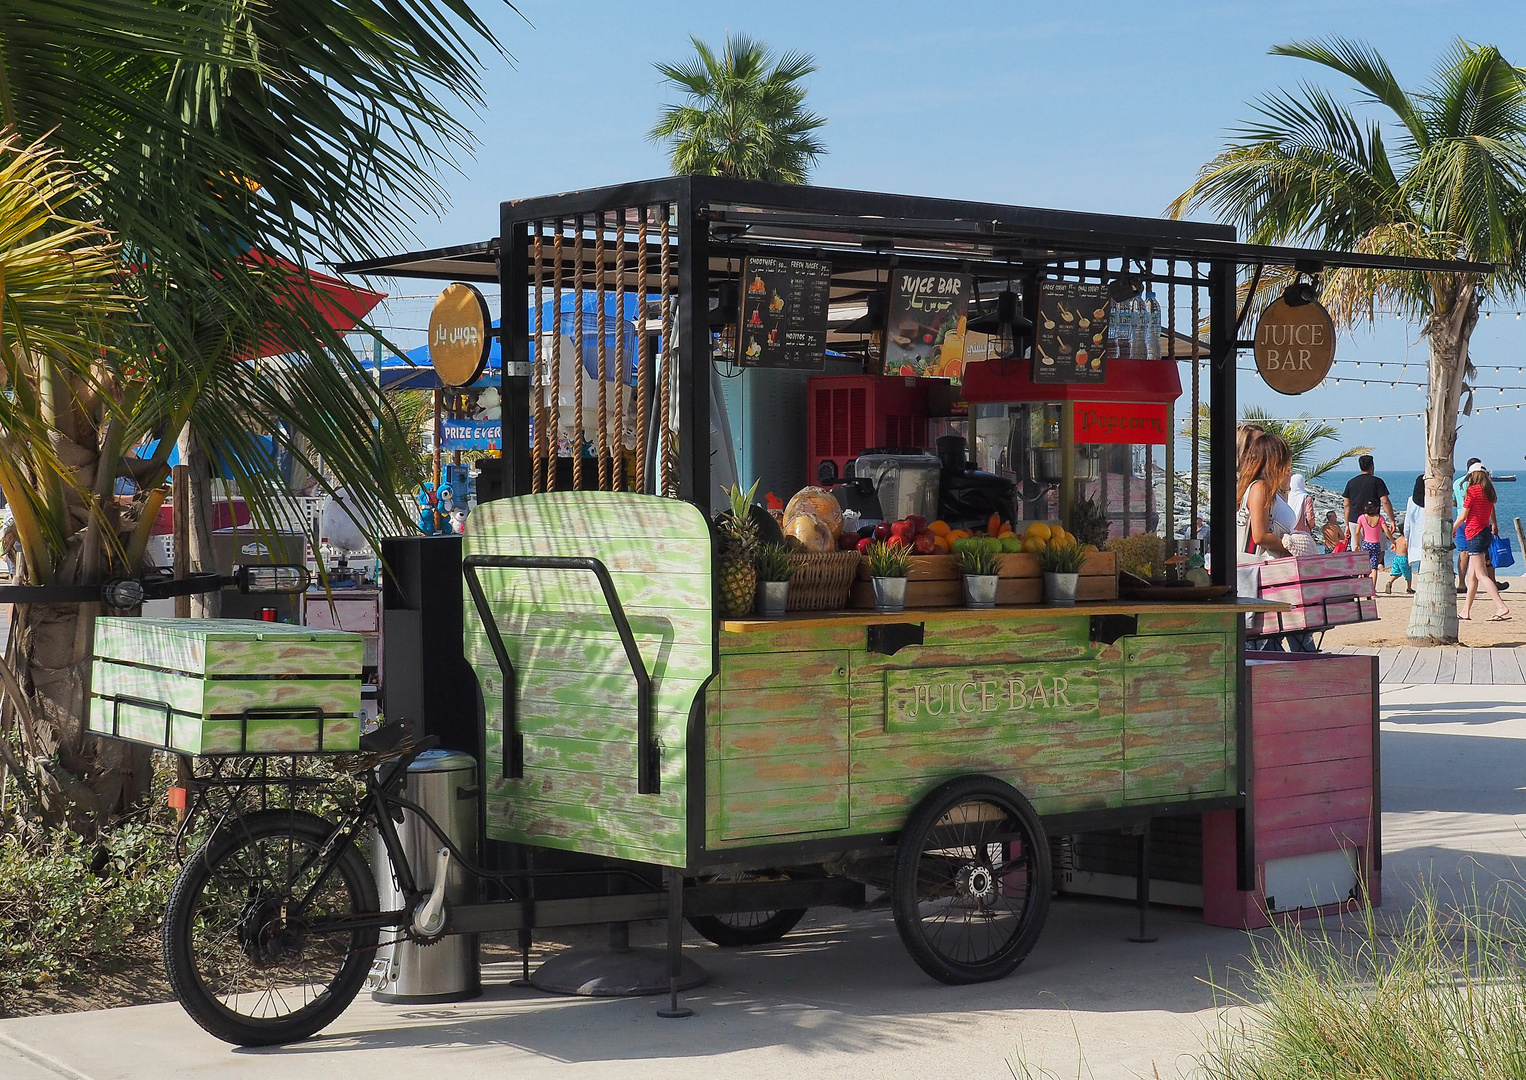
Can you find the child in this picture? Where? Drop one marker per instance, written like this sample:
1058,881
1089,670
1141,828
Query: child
1371,527
1398,565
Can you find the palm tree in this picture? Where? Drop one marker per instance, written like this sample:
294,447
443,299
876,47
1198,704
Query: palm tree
292,128
1444,177
745,115
1302,433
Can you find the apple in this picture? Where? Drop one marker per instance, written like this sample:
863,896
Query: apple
925,543
864,545
917,522
882,531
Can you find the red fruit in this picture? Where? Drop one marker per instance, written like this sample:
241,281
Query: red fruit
924,544
903,528
863,545
882,531
917,522
848,541
899,541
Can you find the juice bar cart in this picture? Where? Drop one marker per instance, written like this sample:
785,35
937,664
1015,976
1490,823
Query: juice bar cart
735,771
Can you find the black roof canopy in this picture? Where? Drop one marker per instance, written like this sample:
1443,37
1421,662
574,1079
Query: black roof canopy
861,227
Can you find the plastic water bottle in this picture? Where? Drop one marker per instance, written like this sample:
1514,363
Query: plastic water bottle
1121,330
1152,320
1139,325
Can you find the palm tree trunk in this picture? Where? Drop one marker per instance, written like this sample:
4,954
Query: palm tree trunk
1433,618
202,557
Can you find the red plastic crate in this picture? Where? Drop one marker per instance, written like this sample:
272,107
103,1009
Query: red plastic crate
848,414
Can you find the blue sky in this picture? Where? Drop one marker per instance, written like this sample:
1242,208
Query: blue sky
1106,107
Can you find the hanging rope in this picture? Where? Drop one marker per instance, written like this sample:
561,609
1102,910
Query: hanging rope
665,412
577,356
554,432
621,361
601,327
1170,451
538,375
643,357
1197,330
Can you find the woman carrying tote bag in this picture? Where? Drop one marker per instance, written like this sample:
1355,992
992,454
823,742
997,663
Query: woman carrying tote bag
1265,465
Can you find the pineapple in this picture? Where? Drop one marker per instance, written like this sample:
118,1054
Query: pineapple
739,547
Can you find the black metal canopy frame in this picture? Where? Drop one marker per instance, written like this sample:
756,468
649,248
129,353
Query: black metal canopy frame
708,223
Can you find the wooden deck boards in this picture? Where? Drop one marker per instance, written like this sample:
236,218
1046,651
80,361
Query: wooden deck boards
1450,664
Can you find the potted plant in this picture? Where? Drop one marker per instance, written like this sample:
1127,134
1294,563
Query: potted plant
1061,564
774,572
977,564
888,565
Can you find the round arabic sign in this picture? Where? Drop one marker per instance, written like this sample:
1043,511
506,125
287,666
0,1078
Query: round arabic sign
459,334
1295,346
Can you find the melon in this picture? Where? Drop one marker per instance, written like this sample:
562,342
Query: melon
821,504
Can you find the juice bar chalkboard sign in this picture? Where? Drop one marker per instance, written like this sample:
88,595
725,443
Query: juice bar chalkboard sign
1070,333
784,313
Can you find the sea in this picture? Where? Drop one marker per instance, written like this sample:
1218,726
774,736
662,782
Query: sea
1512,496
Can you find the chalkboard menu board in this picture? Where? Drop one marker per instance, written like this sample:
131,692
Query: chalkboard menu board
928,317
1070,333
784,313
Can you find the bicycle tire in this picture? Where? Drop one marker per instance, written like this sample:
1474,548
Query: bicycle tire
208,950
972,878
736,932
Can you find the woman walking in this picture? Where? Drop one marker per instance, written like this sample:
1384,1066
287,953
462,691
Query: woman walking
1477,524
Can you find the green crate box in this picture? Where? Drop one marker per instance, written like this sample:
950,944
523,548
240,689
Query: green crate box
185,684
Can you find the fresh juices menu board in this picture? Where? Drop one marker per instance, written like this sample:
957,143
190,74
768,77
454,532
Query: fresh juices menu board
1070,334
784,313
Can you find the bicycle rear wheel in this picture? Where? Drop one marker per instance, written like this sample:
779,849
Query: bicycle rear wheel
256,944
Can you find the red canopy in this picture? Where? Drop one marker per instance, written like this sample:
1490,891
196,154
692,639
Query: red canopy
341,304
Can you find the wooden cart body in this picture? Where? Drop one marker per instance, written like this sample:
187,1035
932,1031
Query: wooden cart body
776,739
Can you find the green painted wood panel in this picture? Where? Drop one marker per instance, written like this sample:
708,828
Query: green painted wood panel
575,702
1157,728
198,735
757,671
948,700
201,696
229,646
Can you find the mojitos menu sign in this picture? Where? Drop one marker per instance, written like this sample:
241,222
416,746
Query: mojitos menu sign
1070,333
784,313
1295,345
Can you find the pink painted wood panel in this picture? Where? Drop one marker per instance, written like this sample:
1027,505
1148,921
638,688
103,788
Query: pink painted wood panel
1306,592
1314,568
1281,680
1312,781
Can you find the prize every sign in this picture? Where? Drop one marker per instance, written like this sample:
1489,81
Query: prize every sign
1295,346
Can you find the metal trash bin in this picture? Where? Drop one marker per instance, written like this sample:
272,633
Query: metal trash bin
443,783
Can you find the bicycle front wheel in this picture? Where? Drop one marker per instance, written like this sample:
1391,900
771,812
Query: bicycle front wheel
256,941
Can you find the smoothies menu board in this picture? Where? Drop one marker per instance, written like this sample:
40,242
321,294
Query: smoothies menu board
1070,334
928,312
784,313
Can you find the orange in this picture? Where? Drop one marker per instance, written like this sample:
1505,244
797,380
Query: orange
939,528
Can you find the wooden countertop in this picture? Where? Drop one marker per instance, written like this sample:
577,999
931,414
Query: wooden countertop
808,620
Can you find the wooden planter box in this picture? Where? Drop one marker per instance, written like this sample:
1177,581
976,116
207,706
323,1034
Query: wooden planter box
226,686
1314,814
1325,590
933,580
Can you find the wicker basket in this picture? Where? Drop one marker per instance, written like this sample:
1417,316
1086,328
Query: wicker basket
822,579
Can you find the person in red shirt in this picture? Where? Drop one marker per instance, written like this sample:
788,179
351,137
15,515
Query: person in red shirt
1478,524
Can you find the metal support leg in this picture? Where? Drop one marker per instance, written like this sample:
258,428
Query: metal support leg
1142,888
675,946
526,936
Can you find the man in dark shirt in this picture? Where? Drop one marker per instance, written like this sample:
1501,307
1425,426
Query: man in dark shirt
1360,490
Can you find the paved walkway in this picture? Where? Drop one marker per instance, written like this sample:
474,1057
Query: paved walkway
841,998
1454,664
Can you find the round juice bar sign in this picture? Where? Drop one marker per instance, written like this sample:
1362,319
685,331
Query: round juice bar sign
459,334
1295,345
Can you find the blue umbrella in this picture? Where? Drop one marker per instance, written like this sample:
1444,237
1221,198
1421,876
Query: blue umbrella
412,370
